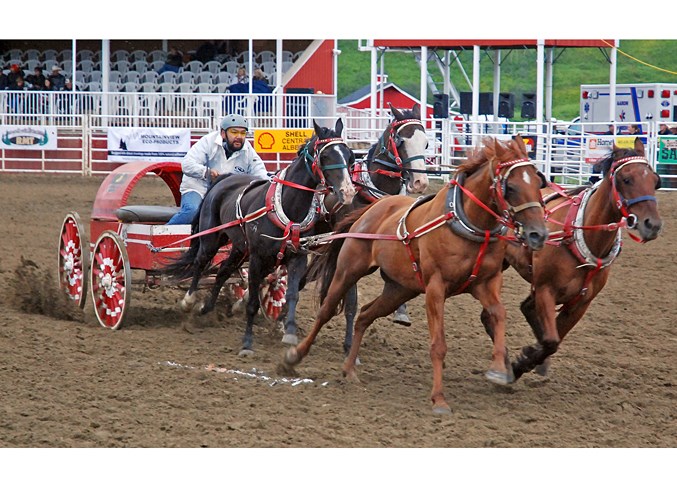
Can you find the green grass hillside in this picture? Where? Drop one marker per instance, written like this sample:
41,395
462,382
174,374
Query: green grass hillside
644,61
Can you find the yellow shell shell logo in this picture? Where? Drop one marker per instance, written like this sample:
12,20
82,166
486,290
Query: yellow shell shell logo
266,140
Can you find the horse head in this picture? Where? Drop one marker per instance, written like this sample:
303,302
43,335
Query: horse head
407,144
633,189
517,187
331,159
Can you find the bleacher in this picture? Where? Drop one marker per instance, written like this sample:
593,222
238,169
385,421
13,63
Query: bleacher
137,71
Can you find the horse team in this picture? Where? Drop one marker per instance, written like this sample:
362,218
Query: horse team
497,210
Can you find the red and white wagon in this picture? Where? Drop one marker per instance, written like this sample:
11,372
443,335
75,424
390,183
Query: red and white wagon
136,237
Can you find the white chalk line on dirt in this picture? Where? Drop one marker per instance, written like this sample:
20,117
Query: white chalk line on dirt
252,374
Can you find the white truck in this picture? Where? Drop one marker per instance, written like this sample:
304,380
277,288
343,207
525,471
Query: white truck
638,103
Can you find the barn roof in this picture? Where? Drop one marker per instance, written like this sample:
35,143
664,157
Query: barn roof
365,92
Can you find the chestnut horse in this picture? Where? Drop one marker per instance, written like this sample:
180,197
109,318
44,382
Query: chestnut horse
440,245
585,232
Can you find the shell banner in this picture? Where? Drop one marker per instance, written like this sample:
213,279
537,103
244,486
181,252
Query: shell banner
280,140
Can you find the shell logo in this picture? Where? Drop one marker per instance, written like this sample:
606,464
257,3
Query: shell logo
266,140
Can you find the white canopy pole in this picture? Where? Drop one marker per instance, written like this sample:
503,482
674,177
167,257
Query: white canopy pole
540,56
278,80
105,78
548,83
612,82
372,99
497,84
424,83
475,92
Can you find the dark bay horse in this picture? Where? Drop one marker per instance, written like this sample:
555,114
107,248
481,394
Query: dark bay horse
395,165
585,239
266,221
441,245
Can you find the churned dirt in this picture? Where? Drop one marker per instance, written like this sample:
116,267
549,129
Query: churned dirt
168,379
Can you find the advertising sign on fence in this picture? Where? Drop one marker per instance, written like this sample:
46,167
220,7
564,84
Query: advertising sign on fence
667,150
598,147
280,140
28,137
147,144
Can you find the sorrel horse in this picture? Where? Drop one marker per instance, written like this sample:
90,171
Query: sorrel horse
440,245
234,208
395,165
585,239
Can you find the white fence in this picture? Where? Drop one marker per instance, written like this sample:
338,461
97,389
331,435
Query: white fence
83,119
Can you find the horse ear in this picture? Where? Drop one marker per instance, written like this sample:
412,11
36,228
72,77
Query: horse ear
639,147
416,111
521,147
317,128
396,112
339,127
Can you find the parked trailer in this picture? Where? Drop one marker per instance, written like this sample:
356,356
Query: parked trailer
136,237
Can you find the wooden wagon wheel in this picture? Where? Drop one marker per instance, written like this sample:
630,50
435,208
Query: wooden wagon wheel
73,259
272,293
111,278
239,289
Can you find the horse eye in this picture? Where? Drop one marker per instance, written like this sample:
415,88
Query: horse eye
627,181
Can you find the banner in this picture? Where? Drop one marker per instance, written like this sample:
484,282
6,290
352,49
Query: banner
147,144
39,137
667,150
598,147
280,140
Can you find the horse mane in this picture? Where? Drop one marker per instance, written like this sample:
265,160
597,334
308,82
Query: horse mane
615,154
325,133
477,157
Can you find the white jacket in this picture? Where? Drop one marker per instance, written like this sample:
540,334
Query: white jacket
208,153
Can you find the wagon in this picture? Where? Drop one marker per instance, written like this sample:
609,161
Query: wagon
136,237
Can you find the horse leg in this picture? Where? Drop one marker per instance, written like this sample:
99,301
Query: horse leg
392,296
493,318
256,276
539,310
206,252
296,268
349,311
226,269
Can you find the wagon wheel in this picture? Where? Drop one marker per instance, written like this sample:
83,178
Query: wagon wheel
239,289
271,293
111,277
73,259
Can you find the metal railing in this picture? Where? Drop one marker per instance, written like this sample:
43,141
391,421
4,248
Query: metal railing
83,118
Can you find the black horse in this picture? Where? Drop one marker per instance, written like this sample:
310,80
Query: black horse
265,221
395,165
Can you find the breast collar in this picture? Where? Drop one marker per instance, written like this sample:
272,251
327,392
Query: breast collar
577,244
366,187
277,215
460,224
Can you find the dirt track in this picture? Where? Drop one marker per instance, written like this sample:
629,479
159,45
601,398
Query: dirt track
67,382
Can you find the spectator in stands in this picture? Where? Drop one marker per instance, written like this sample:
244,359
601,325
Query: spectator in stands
55,80
4,83
663,130
224,151
206,52
260,76
37,80
673,130
19,84
241,76
174,61
634,130
14,72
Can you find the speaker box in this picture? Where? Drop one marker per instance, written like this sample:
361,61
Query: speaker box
486,103
506,105
441,106
528,106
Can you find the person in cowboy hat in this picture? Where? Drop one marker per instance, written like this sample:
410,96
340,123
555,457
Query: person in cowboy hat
55,81
223,151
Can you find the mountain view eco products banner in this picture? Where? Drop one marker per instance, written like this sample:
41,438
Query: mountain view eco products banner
147,144
28,137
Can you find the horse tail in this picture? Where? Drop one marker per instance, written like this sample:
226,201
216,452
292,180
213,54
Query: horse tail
322,268
182,267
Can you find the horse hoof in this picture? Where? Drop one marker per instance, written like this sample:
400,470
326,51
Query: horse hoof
185,306
441,410
238,306
401,319
542,369
290,339
245,353
499,378
291,356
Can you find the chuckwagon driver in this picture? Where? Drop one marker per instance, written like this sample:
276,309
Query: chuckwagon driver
222,151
